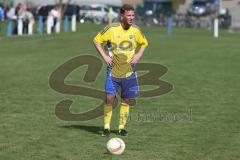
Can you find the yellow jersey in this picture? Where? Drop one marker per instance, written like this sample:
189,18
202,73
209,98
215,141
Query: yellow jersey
123,45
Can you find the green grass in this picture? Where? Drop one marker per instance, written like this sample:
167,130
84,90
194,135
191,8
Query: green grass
204,71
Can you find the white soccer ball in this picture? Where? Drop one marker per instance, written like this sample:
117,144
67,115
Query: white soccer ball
116,146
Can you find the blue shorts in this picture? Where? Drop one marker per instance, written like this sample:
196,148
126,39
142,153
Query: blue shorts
128,86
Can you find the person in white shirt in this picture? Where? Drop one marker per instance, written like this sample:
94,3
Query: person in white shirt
56,14
26,16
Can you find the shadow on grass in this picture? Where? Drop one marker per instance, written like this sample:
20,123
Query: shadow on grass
90,129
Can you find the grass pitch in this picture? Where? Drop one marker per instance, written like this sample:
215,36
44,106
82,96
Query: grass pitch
200,117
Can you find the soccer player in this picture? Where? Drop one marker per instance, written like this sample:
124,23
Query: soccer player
121,39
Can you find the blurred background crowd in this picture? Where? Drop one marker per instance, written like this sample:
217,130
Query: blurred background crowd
184,13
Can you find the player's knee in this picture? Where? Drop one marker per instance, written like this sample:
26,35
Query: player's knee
110,99
127,101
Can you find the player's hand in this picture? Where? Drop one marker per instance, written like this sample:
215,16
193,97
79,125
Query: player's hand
108,60
135,59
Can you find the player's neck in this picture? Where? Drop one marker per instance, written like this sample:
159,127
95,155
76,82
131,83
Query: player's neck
125,26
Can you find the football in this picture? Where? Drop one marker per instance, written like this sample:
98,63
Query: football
116,146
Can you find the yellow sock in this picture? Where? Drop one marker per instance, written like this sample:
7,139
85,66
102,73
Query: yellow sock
124,111
107,116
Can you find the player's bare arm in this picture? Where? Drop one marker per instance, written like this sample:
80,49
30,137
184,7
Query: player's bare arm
108,60
137,56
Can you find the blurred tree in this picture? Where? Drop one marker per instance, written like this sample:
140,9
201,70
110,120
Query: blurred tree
8,2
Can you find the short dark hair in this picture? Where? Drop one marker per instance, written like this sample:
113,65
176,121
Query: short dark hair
126,7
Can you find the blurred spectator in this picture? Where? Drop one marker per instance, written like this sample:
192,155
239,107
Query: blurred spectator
43,10
13,14
26,16
1,17
5,10
1,14
56,14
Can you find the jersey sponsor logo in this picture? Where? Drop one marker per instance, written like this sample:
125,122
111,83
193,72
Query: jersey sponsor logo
123,46
131,37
